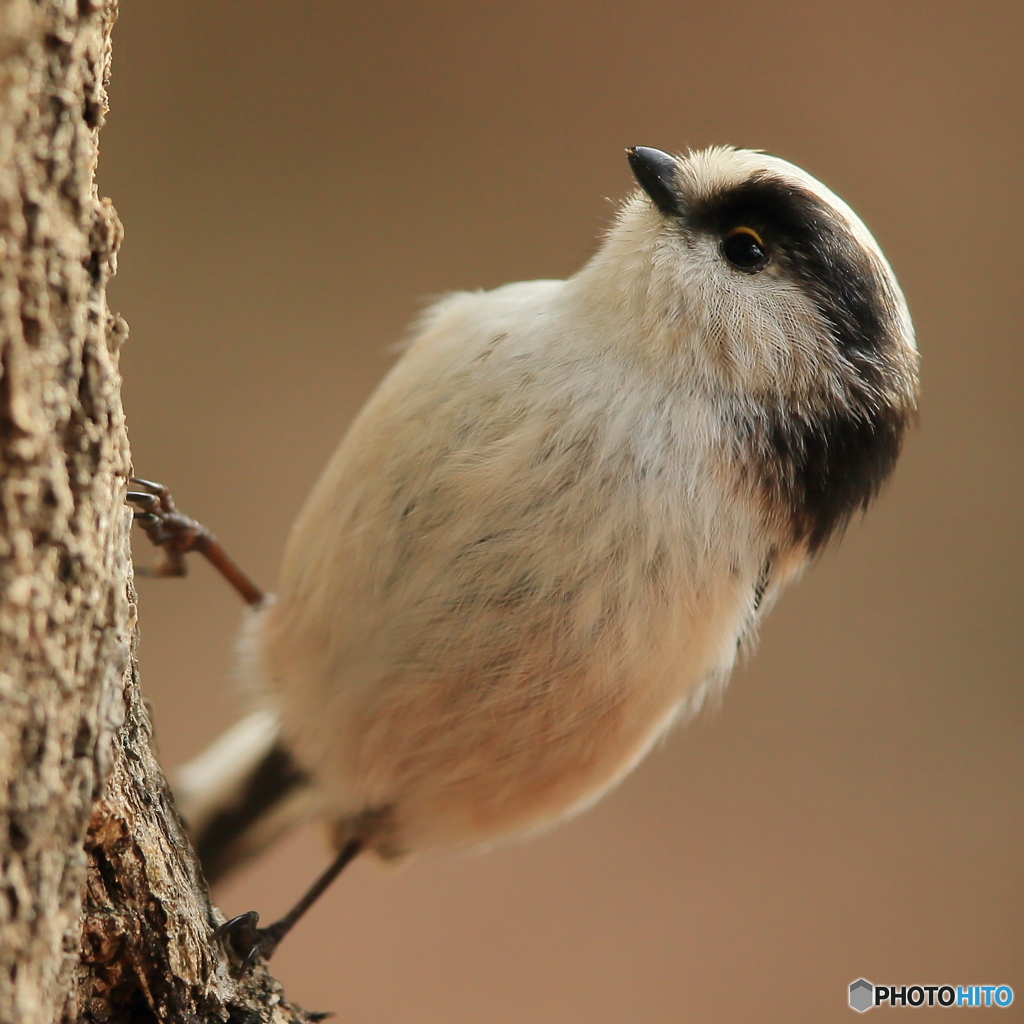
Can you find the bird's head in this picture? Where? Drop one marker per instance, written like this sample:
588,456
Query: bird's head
747,279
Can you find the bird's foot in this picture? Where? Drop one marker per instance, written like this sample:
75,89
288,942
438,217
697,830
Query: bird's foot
166,527
178,534
245,941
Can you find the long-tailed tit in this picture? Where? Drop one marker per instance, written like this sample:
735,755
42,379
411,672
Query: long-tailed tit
551,527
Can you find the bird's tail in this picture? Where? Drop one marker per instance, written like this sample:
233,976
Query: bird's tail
240,794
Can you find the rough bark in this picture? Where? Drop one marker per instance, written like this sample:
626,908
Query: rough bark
147,951
103,912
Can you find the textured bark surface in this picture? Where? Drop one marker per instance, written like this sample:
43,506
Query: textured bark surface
64,615
84,808
147,950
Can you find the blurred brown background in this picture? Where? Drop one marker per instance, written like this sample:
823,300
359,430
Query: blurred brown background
296,178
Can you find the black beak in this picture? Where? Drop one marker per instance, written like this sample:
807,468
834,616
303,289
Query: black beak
656,173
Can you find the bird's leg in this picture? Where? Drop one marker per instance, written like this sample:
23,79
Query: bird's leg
245,941
177,534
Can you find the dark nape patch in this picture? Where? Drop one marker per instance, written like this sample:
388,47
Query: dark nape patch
824,470
806,236
274,778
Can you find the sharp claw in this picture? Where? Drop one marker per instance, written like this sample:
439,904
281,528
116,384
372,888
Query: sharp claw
242,937
143,499
148,485
250,919
164,525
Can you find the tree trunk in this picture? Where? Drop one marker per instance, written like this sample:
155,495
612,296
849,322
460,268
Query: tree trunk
103,912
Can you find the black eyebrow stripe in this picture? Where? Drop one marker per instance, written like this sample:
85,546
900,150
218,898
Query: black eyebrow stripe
813,242
820,467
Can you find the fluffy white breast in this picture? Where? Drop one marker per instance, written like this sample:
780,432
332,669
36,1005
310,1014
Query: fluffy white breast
525,556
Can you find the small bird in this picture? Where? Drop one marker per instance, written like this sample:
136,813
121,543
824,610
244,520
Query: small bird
550,530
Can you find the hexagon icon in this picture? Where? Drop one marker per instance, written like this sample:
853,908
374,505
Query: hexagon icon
862,995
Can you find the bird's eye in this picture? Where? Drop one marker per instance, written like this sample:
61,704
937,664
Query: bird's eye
744,249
